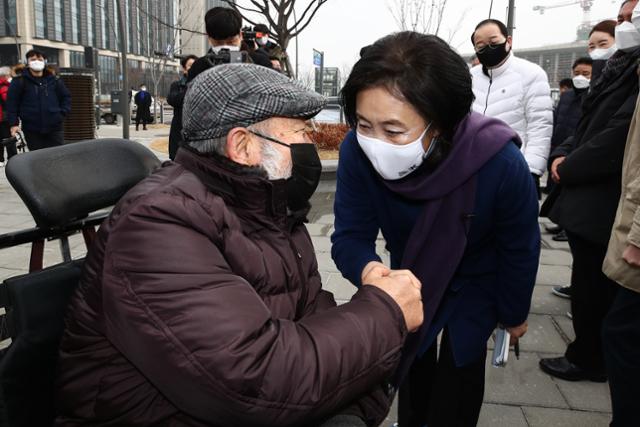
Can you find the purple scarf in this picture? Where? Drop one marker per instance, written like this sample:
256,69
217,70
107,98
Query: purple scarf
439,237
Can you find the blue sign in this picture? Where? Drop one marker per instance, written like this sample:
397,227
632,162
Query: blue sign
317,58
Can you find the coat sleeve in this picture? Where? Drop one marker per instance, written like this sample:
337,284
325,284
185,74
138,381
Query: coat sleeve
65,97
633,191
176,94
601,156
13,101
539,118
356,222
207,341
518,241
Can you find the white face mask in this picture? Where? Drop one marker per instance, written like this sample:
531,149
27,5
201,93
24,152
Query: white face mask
263,41
36,65
627,37
581,82
392,161
603,54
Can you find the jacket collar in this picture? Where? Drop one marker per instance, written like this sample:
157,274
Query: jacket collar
498,71
245,188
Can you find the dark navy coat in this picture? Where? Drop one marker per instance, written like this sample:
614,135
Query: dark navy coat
495,279
40,103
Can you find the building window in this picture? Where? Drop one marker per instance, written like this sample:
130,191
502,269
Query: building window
91,35
10,18
104,26
108,73
58,19
75,22
40,13
76,59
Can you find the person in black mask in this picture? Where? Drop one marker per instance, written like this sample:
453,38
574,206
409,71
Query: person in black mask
513,90
176,98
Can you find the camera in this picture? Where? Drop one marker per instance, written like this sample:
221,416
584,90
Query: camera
249,35
225,56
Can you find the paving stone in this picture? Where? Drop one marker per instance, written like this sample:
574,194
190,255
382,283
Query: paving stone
566,325
316,229
553,275
327,219
586,395
556,257
325,263
501,415
544,302
542,336
341,288
522,382
549,417
321,244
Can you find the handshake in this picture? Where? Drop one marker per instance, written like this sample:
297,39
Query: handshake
402,286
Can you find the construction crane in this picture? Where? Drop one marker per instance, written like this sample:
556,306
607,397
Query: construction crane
586,10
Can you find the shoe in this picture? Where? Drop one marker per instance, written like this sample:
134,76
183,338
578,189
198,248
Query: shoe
562,291
144,128
136,128
560,237
560,367
553,229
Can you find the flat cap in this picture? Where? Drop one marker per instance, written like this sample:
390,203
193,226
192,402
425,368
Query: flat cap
239,95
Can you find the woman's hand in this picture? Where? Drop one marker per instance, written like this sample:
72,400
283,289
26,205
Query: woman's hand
374,270
518,332
632,256
554,169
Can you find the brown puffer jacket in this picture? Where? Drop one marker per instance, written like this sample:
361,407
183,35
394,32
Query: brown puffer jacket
201,304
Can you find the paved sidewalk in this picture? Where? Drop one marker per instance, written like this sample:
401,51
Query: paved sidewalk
519,395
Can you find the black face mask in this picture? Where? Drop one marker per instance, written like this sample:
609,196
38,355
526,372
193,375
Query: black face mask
492,55
305,175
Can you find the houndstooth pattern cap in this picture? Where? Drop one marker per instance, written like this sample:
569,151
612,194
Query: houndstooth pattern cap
239,95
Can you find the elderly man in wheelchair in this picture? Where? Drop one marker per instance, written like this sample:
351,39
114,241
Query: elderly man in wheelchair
200,302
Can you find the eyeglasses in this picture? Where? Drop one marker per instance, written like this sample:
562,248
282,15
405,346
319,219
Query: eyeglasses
308,131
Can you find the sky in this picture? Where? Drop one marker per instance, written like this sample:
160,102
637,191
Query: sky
342,27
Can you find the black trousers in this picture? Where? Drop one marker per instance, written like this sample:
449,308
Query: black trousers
591,298
5,132
38,141
621,339
437,393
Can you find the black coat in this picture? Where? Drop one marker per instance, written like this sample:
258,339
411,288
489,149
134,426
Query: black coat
177,92
143,103
586,200
566,116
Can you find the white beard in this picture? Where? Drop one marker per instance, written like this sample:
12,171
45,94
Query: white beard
274,164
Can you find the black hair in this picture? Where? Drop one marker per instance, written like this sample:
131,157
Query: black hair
363,51
186,59
566,83
261,28
222,23
608,26
500,24
421,69
34,52
585,60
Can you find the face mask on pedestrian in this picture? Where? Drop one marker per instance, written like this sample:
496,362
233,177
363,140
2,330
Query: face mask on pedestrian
393,162
627,37
36,65
143,88
603,54
262,41
492,55
304,174
581,82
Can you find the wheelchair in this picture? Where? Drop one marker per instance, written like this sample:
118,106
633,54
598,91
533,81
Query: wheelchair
68,190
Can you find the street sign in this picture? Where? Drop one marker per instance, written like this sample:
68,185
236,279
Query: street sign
317,58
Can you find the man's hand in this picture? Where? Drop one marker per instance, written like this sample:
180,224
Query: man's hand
518,332
404,288
374,270
554,169
632,256
14,130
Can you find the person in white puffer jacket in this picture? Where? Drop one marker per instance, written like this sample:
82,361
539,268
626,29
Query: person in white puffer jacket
513,90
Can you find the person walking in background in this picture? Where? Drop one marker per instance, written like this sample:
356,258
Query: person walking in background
588,169
5,128
176,98
143,107
38,101
513,90
455,202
